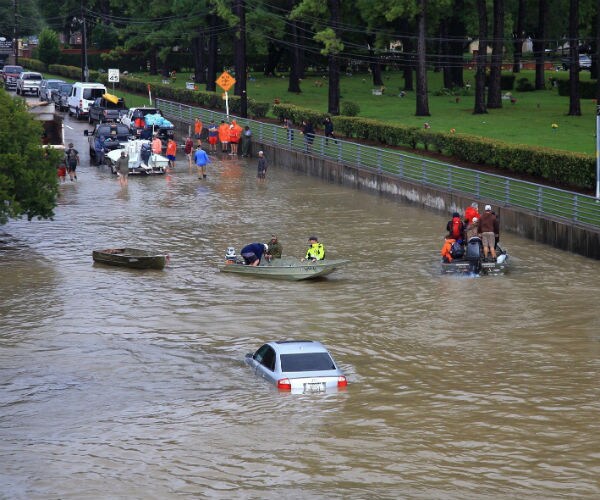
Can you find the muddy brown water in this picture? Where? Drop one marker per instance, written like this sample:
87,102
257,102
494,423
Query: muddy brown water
118,383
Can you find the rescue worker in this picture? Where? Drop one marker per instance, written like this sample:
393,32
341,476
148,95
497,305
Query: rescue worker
488,230
446,251
253,252
275,248
455,227
316,251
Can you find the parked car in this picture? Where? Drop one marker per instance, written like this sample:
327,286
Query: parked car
116,135
61,96
585,62
303,366
47,88
108,108
10,75
82,95
29,83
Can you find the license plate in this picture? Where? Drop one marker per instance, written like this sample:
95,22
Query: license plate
314,387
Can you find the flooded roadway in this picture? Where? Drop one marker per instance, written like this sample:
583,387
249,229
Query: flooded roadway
118,383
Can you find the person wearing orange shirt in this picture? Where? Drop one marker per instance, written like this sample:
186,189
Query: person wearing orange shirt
235,131
446,250
198,130
156,145
224,136
171,152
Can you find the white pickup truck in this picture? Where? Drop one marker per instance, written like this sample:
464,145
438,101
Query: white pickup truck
29,83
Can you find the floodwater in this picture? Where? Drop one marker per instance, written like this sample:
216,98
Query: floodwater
118,383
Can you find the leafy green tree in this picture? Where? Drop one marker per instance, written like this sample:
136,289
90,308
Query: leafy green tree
28,180
48,46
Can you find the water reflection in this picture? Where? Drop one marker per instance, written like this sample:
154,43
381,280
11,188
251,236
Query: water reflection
123,383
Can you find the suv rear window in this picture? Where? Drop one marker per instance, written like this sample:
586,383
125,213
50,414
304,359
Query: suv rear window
32,76
306,362
13,69
92,94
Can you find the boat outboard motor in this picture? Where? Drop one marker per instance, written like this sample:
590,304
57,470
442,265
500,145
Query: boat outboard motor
230,256
145,152
473,254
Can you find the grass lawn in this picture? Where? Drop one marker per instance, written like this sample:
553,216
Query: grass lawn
528,121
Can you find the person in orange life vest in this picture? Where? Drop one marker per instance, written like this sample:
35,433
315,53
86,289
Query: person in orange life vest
224,136
140,122
447,248
156,145
171,152
455,227
470,212
188,149
235,131
198,129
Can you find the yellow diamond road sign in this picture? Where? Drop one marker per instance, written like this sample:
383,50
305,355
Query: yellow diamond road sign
225,81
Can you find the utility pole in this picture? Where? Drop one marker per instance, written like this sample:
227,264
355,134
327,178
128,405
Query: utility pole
240,57
84,63
16,32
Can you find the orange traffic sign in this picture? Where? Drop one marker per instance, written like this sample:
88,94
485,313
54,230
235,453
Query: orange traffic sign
225,81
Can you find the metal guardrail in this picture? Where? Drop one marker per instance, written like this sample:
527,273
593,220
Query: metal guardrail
504,191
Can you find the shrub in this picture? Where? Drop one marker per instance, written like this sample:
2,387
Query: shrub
524,85
350,108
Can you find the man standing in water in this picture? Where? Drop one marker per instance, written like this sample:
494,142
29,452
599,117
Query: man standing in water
122,166
201,159
262,166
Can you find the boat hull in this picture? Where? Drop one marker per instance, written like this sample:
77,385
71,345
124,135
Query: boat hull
130,257
464,267
286,269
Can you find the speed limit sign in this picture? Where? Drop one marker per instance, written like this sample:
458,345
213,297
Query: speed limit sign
113,75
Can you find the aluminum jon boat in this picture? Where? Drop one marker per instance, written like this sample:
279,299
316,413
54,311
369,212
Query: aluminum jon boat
472,262
131,257
286,268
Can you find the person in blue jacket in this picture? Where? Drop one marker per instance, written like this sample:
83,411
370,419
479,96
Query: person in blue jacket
253,252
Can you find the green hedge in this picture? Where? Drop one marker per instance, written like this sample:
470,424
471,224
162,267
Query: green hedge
587,89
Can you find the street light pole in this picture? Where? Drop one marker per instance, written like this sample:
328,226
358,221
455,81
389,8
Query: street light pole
16,32
84,62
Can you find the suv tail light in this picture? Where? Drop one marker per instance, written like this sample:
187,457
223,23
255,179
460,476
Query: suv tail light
284,384
342,382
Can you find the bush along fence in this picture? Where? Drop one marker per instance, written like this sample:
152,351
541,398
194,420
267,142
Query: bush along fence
559,167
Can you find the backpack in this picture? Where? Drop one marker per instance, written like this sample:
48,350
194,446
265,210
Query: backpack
457,251
72,156
456,228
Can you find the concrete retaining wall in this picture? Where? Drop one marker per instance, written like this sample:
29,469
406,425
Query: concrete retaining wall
532,225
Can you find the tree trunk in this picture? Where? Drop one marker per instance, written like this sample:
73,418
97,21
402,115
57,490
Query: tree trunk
422,103
408,47
480,60
456,45
375,65
574,101
274,53
294,81
199,56
213,52
519,37
596,62
333,106
153,62
445,58
241,64
495,90
539,45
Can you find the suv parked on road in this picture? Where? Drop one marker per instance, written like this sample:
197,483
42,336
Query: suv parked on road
83,94
61,95
29,83
47,88
108,108
10,75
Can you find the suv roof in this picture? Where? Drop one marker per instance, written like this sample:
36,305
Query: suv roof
13,69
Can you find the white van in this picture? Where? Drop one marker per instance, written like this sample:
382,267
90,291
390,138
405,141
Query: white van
82,96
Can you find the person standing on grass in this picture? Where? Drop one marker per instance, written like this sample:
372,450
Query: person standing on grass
201,159
329,131
188,149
